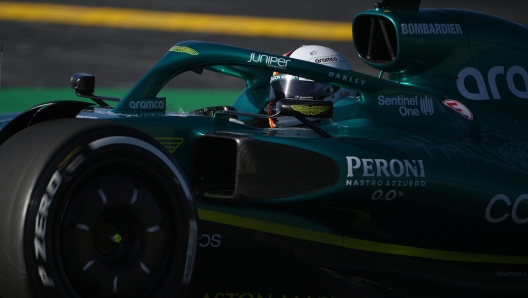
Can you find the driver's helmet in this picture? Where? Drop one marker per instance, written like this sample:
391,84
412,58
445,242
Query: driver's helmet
293,87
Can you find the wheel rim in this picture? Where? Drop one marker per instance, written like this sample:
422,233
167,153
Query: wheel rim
116,238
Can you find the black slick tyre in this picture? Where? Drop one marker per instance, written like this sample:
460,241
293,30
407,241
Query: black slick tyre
92,208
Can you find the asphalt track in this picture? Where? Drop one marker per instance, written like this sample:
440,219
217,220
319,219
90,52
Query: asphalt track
46,54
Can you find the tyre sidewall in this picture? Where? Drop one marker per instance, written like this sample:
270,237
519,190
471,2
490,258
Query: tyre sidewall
62,171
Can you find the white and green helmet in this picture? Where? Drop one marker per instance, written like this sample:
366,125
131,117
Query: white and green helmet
294,87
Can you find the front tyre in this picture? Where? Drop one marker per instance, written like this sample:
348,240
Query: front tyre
93,209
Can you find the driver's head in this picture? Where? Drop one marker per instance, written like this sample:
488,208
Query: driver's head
293,87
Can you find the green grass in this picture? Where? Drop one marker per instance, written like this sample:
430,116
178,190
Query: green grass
14,99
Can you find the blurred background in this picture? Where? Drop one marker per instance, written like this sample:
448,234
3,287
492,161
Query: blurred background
42,49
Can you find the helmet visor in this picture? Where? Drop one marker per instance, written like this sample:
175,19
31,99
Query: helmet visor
294,87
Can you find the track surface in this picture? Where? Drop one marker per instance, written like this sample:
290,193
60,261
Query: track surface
38,54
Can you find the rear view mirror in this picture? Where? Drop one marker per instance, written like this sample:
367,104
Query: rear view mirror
83,83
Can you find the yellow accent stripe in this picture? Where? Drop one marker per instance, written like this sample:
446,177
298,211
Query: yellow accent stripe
269,227
353,243
175,21
432,253
170,144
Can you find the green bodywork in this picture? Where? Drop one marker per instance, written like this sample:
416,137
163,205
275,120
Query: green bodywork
416,178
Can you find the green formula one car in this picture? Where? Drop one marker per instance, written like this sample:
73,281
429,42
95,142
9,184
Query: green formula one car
416,187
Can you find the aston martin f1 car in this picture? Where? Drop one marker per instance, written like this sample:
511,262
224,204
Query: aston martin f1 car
418,187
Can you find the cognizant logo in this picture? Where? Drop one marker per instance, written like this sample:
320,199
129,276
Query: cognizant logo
500,208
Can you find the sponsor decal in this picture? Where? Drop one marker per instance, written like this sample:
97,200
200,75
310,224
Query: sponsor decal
180,49
511,274
429,28
270,61
70,162
459,108
409,106
384,168
287,54
170,144
158,104
379,183
258,295
206,240
310,111
346,94
40,226
393,168
346,78
281,76
324,59
493,73
388,196
502,202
